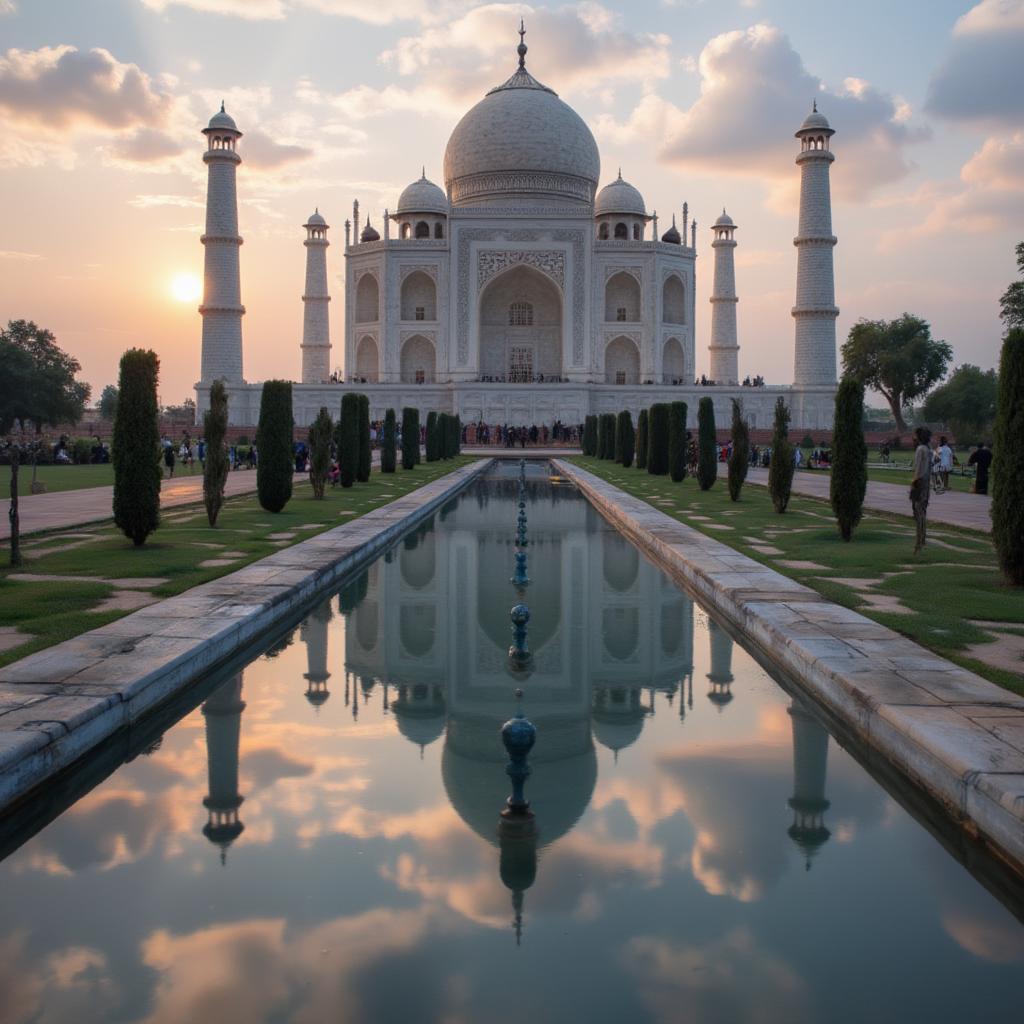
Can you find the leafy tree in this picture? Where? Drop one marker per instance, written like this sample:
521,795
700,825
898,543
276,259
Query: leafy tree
849,481
739,458
625,439
1008,460
37,387
677,441
433,444
275,447
347,439
641,439
215,467
387,444
365,457
780,469
707,450
590,436
1012,300
898,358
108,402
320,433
410,437
136,447
657,443
966,403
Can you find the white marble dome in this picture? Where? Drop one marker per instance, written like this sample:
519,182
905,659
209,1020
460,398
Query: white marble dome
815,121
724,221
620,197
221,121
521,139
316,220
422,196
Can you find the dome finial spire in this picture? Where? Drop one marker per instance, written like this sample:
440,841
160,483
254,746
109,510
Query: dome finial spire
222,106
814,104
522,47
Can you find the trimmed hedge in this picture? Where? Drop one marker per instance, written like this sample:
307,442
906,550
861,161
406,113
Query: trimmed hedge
365,460
707,449
433,445
320,433
1008,460
641,440
215,466
781,467
739,457
410,437
677,441
657,443
625,439
387,444
135,447
275,452
589,444
346,439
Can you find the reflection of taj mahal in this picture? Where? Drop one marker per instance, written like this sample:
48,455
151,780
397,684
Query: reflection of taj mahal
522,293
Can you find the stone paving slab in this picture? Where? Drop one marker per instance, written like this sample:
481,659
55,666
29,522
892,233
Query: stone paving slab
58,704
955,735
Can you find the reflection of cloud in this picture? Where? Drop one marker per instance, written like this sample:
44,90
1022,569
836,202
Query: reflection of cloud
997,937
727,980
263,766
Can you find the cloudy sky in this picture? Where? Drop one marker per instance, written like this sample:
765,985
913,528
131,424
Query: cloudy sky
102,181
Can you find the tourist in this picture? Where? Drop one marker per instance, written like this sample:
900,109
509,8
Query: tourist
169,459
920,485
201,451
981,459
945,454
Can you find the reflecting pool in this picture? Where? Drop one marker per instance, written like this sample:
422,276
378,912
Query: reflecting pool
319,839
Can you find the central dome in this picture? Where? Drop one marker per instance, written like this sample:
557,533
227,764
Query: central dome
521,141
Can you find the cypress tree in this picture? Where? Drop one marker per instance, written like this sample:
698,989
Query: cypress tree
275,461
320,433
625,439
365,451
433,441
677,441
410,437
444,435
608,430
641,440
1008,460
215,468
657,443
849,480
136,447
739,459
453,436
780,470
347,439
590,436
707,456
387,444
599,436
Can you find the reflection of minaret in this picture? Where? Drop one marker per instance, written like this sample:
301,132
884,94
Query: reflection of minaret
517,865
223,713
810,762
720,675
684,698
617,717
314,635
419,712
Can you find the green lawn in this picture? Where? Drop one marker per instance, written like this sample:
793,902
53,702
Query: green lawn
58,478
54,611
955,580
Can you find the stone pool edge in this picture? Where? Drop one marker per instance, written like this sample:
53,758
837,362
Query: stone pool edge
58,704
955,734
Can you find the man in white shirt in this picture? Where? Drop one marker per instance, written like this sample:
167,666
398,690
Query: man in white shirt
920,485
945,454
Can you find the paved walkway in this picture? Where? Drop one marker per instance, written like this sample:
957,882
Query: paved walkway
954,508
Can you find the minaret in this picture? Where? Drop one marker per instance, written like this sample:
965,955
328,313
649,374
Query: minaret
720,675
724,349
314,635
815,310
316,330
223,713
222,307
810,763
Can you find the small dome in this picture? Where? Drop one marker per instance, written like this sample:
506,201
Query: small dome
316,220
317,697
672,236
815,121
422,196
620,197
725,221
222,120
369,234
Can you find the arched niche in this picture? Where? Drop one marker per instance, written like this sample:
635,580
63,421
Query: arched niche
417,564
521,352
622,362
418,362
366,625
422,229
416,627
673,364
367,300
673,301
620,563
622,298
622,231
672,626
367,360
620,628
419,297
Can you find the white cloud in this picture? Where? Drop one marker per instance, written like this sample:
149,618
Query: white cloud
145,146
265,153
381,12
254,10
755,91
146,202
981,76
7,7
27,257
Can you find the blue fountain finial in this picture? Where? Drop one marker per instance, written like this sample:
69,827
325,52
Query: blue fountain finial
518,735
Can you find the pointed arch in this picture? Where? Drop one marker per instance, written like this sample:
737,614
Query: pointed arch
367,300
419,297
367,359
622,361
418,361
673,300
673,362
622,299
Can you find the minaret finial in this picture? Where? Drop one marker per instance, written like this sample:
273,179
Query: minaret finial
521,48
222,106
423,174
814,105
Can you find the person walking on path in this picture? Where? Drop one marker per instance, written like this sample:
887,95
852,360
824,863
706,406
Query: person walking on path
981,457
920,485
945,461
169,460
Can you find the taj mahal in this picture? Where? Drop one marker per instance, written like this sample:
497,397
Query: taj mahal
522,293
